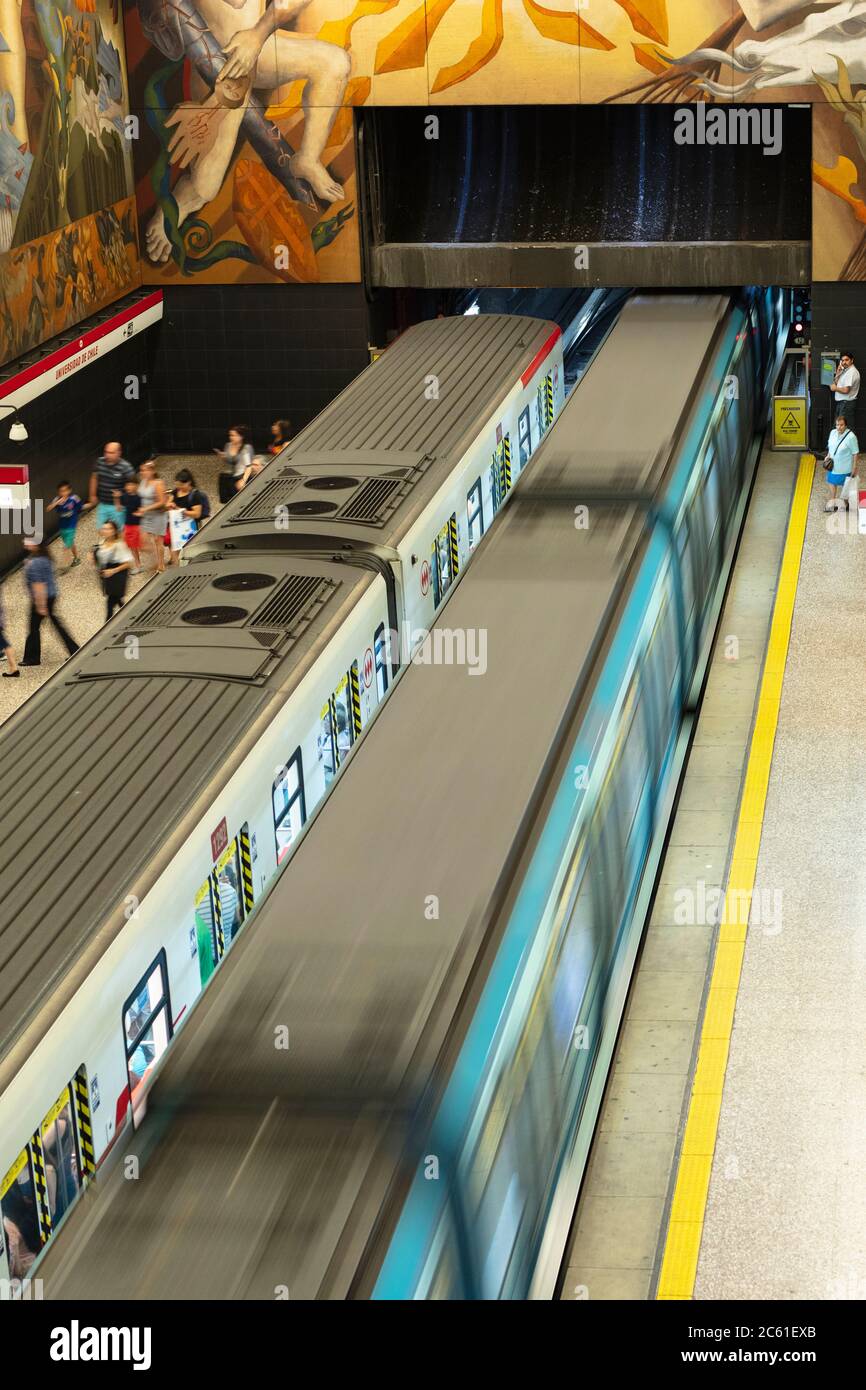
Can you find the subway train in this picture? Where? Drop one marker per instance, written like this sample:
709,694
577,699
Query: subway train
390,1090
160,778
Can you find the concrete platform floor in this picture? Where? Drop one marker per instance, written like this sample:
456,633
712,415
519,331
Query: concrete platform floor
786,1209
617,1235
81,604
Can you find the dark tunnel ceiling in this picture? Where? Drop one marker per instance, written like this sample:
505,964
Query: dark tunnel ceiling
583,174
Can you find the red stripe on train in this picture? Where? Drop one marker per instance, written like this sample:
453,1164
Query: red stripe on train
544,351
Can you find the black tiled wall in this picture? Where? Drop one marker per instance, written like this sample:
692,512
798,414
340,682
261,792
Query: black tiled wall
249,354
838,324
68,426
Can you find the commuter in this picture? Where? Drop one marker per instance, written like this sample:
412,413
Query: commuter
194,504
6,645
846,388
237,455
41,583
21,1224
132,520
106,485
69,507
113,558
280,436
152,512
842,450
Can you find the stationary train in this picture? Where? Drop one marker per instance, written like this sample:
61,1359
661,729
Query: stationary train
160,779
390,1089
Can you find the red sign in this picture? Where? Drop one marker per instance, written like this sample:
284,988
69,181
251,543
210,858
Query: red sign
368,668
425,577
15,474
219,840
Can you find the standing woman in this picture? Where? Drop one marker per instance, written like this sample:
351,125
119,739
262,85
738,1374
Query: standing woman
113,558
42,586
280,436
237,456
152,513
842,450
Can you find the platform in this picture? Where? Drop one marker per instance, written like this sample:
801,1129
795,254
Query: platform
641,1215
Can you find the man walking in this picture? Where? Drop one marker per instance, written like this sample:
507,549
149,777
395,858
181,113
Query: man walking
846,388
106,486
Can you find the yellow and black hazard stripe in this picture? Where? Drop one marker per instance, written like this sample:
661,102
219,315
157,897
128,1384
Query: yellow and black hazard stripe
41,1187
548,400
246,868
218,916
82,1116
355,686
506,464
452,545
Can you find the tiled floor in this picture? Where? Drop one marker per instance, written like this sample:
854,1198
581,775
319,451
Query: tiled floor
81,605
786,1211
619,1225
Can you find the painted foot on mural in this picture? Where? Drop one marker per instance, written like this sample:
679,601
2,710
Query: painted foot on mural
317,177
157,243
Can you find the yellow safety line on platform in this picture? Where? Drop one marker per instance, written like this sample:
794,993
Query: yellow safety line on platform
686,1220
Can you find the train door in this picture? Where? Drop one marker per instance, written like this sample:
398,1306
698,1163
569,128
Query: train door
47,1176
445,559
380,648
222,903
336,729
544,404
147,1026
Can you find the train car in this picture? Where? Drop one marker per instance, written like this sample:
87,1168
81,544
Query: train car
391,1089
201,728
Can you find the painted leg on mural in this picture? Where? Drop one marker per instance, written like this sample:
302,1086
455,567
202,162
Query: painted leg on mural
326,68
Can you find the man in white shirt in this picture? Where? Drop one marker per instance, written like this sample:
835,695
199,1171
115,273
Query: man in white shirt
846,388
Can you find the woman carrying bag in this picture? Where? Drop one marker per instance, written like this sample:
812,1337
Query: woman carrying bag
237,456
842,451
113,558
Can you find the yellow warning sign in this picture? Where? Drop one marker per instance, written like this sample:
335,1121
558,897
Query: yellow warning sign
789,422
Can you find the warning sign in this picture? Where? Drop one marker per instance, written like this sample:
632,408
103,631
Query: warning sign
789,422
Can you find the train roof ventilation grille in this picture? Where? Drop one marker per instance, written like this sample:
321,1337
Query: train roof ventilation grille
373,502
263,506
294,602
174,598
215,615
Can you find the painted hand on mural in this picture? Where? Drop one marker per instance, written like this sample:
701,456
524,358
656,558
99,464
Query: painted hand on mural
242,52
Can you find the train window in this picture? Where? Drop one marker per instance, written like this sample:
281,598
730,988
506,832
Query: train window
524,437
205,930
686,550
712,510
501,1211
608,835
496,484
147,1023
290,810
23,1224
380,647
475,514
229,898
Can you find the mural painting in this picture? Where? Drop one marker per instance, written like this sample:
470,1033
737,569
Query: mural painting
67,229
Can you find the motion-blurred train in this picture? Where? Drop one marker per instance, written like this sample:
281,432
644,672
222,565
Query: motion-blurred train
391,1087
156,783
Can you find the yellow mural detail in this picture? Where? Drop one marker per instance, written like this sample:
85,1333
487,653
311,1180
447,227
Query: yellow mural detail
649,17
270,219
838,180
480,51
339,31
563,27
406,46
648,56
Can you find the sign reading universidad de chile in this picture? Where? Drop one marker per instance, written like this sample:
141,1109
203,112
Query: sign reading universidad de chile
789,422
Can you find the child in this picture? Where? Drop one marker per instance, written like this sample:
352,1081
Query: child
6,646
131,530
68,507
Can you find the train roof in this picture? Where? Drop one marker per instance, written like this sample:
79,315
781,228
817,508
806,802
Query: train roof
106,760
360,473
298,1145
634,399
